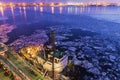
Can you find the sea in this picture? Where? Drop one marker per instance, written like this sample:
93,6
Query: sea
93,18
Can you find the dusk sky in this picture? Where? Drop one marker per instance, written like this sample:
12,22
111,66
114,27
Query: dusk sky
111,1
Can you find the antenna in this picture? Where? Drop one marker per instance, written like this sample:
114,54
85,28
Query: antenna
52,35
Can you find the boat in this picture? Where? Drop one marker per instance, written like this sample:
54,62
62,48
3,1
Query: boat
51,58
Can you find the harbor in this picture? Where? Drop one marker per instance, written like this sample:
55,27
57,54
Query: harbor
60,42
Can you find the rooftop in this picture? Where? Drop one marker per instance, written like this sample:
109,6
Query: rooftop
57,53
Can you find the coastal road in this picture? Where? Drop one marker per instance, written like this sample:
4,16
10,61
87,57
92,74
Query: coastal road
13,68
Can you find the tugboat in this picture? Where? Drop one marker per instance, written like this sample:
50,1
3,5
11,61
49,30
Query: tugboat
52,59
48,56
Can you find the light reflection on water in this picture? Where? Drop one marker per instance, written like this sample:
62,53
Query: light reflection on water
20,10
41,9
31,18
60,9
2,11
35,8
29,12
25,16
69,9
52,10
13,14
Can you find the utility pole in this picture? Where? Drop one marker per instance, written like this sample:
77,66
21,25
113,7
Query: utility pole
53,40
53,48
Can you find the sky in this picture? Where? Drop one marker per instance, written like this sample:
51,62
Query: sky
111,1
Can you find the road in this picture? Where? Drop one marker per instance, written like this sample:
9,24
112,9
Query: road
13,68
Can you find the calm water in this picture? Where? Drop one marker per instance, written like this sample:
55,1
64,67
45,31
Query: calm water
28,19
33,14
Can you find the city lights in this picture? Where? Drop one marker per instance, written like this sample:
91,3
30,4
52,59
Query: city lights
61,4
59,40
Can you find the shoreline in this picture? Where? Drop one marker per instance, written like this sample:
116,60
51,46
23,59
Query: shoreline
96,53
78,21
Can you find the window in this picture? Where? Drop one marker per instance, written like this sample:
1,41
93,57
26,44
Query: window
55,60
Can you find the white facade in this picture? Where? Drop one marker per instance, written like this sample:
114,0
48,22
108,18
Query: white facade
58,67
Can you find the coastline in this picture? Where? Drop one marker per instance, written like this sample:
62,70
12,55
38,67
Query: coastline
73,21
87,41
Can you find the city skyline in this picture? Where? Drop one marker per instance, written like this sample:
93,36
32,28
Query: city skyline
84,1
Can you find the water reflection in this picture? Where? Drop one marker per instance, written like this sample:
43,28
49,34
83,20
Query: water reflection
25,16
70,10
96,9
88,9
104,9
76,10
17,13
41,9
53,10
35,9
2,11
82,10
12,10
13,15
60,9
20,9
2,14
